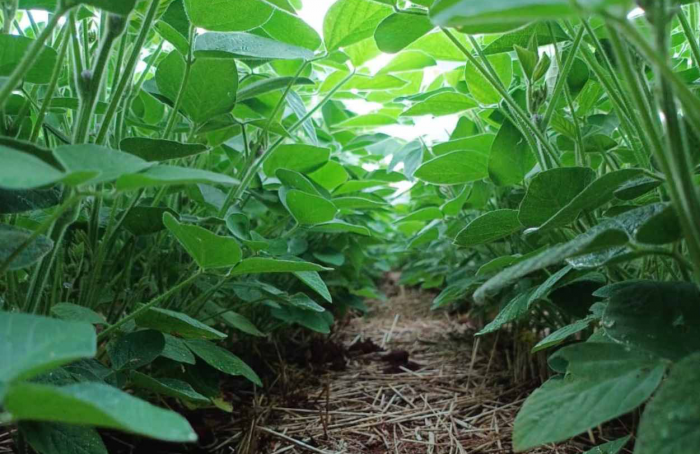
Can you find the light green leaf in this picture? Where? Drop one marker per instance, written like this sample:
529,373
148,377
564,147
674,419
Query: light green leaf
260,87
309,209
160,149
511,158
481,143
31,345
24,171
11,238
552,190
410,60
13,48
313,280
245,45
176,350
330,176
291,29
206,248
298,157
604,381
108,163
671,422
163,175
259,265
99,405
423,214
340,227
228,15
222,360
399,30
350,21
211,89
357,186
441,104
457,167
489,227
440,47
178,324
479,86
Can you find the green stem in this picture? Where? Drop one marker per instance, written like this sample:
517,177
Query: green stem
31,56
128,72
143,309
690,36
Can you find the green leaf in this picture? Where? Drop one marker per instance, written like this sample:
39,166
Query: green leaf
122,8
271,84
109,164
340,227
31,345
511,158
350,21
245,45
13,48
560,335
441,104
423,214
11,238
160,149
497,15
528,60
316,321
521,37
233,319
298,157
552,190
595,195
613,447
20,201
457,167
661,317
397,31
24,171
228,15
176,350
168,387
481,143
517,308
96,404
604,381
75,313
211,89
136,349
304,302
260,265
209,250
177,324
410,60
480,88
671,422
314,281
145,220
489,227
366,121
222,360
163,175
440,47
330,176
53,438
662,228
291,29
309,209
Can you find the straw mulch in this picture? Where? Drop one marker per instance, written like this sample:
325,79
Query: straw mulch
432,389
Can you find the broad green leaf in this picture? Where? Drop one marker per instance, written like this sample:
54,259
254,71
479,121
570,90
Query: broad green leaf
517,308
309,209
209,250
330,176
357,186
53,438
246,45
660,317
399,30
145,220
291,29
108,163
440,47
163,175
521,37
99,405
123,7
295,180
441,104
316,321
168,387
457,167
211,89
31,345
511,158
11,238
604,381
358,201
595,195
560,335
304,302
136,349
331,257
13,48
24,171
366,121
410,60
228,15
423,214
498,15
314,281
671,422
350,21
298,157
662,228
259,265
489,227
480,88
177,324
233,319
340,227
74,313
552,190
176,350
481,143
222,360
160,149
263,86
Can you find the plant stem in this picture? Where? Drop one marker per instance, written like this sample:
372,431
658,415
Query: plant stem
30,57
690,37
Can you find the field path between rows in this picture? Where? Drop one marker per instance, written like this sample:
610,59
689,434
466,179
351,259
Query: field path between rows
414,381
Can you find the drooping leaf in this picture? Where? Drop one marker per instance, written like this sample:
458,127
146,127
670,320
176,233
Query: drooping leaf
163,175
259,265
457,167
314,281
136,349
109,164
178,324
11,238
222,360
168,387
489,227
